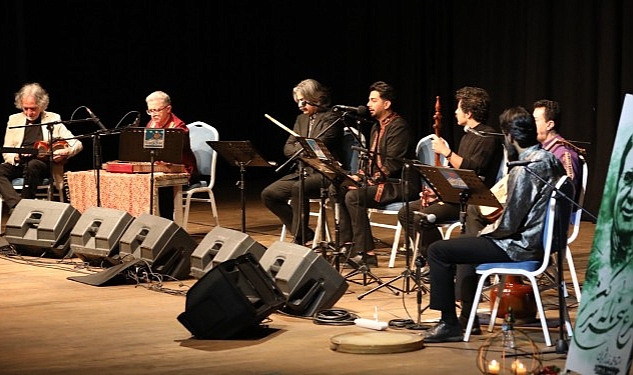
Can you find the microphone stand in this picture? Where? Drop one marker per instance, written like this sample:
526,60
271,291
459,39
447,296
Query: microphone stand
562,345
406,274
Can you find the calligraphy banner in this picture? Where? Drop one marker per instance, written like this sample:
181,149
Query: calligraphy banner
602,342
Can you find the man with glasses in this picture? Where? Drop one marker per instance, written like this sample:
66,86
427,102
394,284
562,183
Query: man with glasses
159,109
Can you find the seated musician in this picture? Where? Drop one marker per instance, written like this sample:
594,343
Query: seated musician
33,101
390,142
315,121
480,154
159,109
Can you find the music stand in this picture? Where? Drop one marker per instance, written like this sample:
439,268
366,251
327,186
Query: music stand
241,154
461,186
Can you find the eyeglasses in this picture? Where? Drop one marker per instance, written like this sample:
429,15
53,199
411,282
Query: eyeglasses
154,111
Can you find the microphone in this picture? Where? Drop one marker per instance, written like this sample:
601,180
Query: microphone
96,119
361,109
427,218
468,129
520,163
137,121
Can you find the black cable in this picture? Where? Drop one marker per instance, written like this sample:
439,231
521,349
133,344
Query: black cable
334,317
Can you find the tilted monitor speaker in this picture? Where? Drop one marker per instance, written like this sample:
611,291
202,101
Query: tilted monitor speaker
95,237
220,245
41,227
230,299
308,281
160,242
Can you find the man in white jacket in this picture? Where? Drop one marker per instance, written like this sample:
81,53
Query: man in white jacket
33,101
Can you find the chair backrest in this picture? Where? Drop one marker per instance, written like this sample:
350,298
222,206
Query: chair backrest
350,157
557,219
576,214
424,151
206,157
503,168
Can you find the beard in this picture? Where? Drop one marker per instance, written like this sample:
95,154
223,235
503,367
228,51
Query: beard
513,153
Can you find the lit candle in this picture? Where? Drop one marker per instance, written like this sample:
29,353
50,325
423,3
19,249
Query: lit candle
521,370
493,367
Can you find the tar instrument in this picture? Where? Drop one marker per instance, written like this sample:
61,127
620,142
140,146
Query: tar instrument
43,148
437,126
500,191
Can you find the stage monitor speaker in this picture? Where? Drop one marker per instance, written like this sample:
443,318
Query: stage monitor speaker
220,245
161,243
95,237
41,227
308,281
230,299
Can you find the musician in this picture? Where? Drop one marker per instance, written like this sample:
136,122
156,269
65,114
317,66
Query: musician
159,108
315,120
480,154
390,142
547,116
518,236
33,101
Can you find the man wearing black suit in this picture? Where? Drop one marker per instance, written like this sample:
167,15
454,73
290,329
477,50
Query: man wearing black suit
315,121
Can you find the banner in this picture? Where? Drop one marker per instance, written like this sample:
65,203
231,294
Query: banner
602,342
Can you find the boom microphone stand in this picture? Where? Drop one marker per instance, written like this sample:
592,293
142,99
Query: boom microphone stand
562,217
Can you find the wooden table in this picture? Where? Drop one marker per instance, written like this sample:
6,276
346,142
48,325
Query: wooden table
124,191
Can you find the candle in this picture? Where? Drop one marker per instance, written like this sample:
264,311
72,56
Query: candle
493,367
521,370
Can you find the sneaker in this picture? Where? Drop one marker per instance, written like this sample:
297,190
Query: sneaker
443,332
476,330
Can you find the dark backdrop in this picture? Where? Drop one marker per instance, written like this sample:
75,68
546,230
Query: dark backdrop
230,62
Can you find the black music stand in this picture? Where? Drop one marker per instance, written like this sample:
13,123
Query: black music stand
241,154
461,186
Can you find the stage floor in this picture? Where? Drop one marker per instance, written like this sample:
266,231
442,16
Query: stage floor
51,325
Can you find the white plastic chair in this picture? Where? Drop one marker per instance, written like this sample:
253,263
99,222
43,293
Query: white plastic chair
576,217
529,269
206,158
424,153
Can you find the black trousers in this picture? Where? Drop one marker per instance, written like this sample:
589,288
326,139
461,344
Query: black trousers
443,256
34,172
276,195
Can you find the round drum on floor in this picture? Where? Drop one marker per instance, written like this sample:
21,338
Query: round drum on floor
376,342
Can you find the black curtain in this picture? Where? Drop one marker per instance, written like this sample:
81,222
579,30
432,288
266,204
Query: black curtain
229,63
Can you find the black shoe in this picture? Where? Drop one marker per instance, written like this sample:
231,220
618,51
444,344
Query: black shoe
443,332
370,260
309,237
476,330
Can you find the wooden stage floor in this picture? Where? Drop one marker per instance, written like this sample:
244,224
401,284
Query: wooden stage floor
51,325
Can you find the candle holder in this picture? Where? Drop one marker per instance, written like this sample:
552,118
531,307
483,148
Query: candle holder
501,356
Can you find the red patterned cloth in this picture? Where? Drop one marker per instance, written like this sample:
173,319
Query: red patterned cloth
121,191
